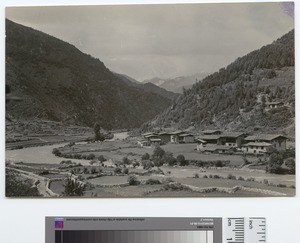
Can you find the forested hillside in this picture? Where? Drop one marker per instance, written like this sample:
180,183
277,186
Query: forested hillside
228,99
53,80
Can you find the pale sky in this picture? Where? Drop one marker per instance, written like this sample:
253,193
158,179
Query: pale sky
146,41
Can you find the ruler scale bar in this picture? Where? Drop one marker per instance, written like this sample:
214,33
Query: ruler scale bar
244,230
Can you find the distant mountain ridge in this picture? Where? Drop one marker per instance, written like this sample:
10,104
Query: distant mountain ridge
177,84
56,81
148,87
228,99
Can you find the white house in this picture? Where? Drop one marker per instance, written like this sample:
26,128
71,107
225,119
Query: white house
256,147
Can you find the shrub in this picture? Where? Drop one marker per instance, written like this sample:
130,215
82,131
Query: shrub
169,159
173,186
132,180
246,161
281,185
93,171
125,171
146,156
266,182
77,156
101,158
210,176
147,164
71,144
231,177
66,162
125,161
219,163
205,176
241,178
85,170
196,175
135,164
158,152
168,180
251,179
93,162
217,177
73,187
56,152
118,170
290,163
44,172
152,181
181,160
90,157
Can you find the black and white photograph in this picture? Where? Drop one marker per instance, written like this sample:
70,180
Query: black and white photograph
150,100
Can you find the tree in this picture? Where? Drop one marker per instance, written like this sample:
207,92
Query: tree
132,180
19,188
290,163
125,161
146,156
117,170
181,160
73,187
158,152
157,156
274,163
98,135
101,158
169,159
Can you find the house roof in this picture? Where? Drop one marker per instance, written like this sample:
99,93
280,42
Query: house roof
155,139
210,131
176,132
260,144
274,103
150,136
232,134
209,137
201,141
164,133
186,135
216,147
263,137
148,133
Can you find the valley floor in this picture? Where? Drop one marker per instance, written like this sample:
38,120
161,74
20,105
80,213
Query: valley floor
48,173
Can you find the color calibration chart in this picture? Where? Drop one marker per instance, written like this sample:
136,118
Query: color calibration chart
155,230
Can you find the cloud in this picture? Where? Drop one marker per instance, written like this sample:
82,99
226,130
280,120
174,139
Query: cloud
144,41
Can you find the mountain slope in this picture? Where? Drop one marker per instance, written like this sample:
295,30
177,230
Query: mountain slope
228,99
56,81
177,84
148,87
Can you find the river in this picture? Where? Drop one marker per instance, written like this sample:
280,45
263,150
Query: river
43,154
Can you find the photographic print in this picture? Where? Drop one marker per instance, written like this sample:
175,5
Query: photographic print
163,100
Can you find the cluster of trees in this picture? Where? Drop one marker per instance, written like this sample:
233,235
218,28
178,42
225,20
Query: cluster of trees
279,158
19,188
73,187
160,157
232,88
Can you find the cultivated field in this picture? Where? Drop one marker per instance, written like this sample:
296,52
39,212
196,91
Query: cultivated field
111,177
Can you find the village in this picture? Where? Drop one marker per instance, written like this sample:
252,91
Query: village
163,163
216,141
